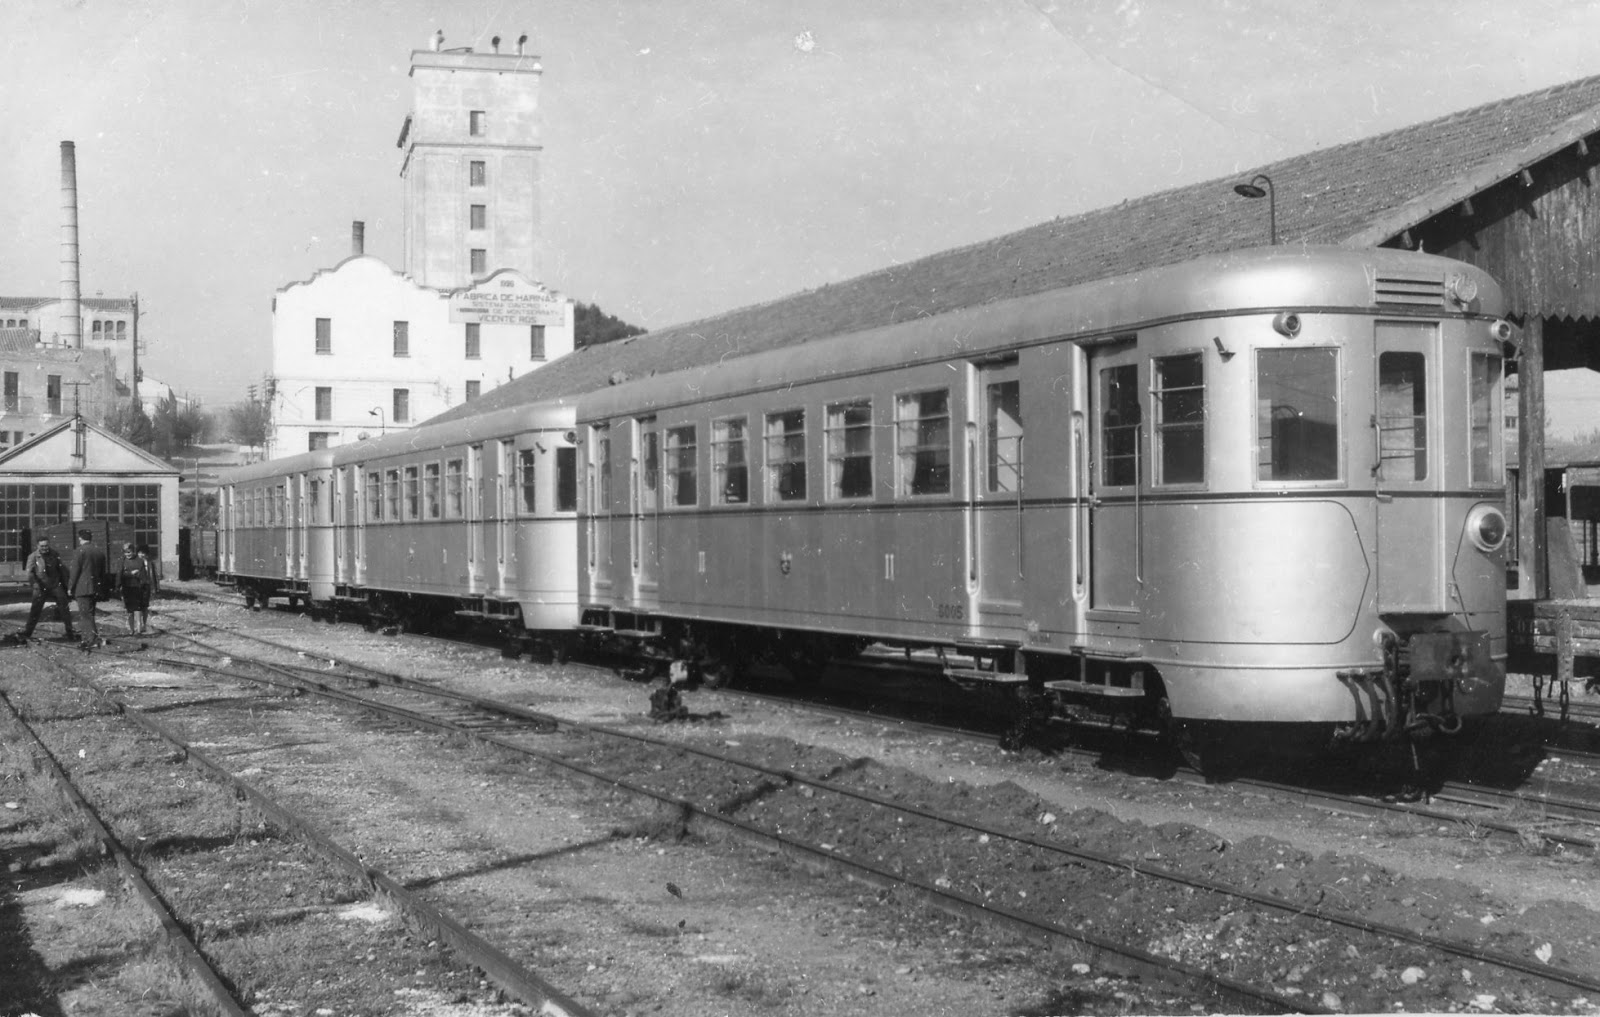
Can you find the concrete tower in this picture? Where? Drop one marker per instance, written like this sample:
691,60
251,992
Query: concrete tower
471,165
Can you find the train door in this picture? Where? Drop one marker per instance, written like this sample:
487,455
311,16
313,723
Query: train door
995,488
1410,540
304,505
287,503
645,506
599,521
337,483
475,518
1116,438
505,516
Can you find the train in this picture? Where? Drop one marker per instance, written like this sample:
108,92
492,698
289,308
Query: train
1247,495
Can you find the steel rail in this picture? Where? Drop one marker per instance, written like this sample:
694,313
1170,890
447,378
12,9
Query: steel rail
527,987
1337,918
187,954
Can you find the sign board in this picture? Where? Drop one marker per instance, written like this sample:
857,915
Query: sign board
507,299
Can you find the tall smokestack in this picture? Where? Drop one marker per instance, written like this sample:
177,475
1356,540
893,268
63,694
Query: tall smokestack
70,333
358,238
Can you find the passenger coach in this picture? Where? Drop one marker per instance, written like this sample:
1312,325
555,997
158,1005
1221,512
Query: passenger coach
1262,487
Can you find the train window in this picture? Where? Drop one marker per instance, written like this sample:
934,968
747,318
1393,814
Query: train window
374,496
1120,419
430,490
1485,419
602,457
566,479
391,494
849,443
1297,414
453,489
1179,407
730,469
413,492
682,465
786,456
1003,419
1403,415
525,480
649,466
922,442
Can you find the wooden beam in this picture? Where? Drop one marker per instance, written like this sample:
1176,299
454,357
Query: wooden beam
1531,538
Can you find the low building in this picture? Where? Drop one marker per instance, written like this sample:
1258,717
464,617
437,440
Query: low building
108,324
42,383
361,349
74,470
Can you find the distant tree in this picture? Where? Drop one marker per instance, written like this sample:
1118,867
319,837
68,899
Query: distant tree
129,421
250,422
177,426
208,510
591,326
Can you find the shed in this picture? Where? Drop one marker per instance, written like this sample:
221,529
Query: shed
75,471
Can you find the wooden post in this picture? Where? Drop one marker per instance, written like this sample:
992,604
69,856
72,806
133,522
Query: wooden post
1531,539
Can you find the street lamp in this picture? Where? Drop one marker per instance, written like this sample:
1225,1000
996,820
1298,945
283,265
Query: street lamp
1253,190
377,411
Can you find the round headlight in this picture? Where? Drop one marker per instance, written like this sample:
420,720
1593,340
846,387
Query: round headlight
1486,527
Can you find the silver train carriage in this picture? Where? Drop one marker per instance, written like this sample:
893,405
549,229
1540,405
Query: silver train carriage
1259,487
473,518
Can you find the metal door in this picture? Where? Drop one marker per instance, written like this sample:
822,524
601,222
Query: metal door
1116,471
645,505
995,482
1407,468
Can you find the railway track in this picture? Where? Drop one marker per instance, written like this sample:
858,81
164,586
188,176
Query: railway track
510,977
511,727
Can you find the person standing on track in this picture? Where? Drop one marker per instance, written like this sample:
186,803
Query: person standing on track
133,575
87,580
47,575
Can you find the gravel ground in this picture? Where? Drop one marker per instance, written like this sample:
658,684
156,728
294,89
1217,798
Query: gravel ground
749,933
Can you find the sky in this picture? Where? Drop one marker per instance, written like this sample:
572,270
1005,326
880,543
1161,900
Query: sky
699,155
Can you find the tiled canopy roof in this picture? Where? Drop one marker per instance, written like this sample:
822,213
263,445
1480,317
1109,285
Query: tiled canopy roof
1360,194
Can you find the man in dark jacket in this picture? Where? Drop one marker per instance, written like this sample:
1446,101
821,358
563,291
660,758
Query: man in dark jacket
88,579
47,574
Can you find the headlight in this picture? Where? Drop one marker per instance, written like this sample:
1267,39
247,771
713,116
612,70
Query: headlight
1486,526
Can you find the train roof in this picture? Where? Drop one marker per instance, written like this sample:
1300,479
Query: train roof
1253,280
320,459
549,415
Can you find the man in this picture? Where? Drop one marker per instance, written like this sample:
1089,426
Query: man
87,580
47,574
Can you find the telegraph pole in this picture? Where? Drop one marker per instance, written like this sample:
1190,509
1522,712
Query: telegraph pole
134,381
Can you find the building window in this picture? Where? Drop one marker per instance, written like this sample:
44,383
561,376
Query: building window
474,389
476,123
324,335
1297,414
402,406
849,444
1179,405
122,329
96,329
479,260
479,217
535,342
402,338
319,440
52,394
922,441
453,489
682,466
474,344
730,470
13,397
324,403
476,173
786,456
525,480
1120,420
430,490
138,504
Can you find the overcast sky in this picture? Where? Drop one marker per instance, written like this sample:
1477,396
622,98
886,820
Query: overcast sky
699,154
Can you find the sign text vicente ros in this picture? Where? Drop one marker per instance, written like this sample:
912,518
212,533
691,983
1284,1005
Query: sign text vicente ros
503,300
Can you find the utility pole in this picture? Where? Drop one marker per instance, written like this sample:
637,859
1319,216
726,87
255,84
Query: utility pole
134,381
